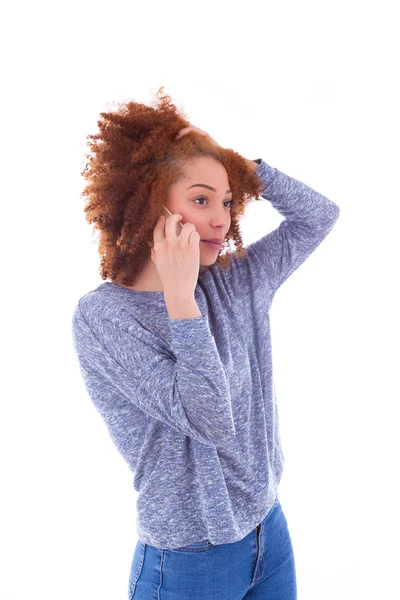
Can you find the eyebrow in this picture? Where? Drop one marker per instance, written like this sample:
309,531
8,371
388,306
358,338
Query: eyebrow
207,186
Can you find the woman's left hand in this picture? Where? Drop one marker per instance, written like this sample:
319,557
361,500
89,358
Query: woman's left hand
198,130
251,163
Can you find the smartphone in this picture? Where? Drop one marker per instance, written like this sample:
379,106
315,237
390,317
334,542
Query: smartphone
167,213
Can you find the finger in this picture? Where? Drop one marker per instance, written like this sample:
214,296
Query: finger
158,231
186,233
170,225
186,130
194,239
182,132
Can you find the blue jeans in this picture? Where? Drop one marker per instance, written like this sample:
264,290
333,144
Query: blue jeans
259,567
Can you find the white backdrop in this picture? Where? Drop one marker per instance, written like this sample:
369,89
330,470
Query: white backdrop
312,88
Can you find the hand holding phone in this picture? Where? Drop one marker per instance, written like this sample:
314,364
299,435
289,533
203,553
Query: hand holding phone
177,260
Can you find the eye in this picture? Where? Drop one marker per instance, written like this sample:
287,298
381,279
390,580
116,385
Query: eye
204,198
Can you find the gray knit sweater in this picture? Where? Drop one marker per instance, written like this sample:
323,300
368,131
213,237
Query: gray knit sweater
190,403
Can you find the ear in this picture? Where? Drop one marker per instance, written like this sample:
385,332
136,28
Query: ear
153,256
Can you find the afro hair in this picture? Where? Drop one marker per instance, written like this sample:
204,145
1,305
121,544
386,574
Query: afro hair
134,159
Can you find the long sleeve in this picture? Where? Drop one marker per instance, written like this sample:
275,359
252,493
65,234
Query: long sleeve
309,217
182,384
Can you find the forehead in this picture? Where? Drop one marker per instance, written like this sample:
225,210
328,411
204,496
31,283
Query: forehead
206,169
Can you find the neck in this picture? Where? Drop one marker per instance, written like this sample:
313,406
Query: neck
148,279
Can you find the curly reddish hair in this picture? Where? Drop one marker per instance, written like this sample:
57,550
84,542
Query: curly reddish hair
134,159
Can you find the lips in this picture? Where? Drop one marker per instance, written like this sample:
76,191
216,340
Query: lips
215,241
213,245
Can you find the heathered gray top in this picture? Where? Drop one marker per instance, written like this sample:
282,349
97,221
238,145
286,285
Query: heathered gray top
190,403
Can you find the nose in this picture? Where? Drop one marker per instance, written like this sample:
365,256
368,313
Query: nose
221,216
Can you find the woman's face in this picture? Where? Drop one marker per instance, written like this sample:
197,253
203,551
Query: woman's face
207,209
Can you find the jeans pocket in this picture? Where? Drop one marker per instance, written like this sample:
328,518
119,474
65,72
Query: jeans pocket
136,568
202,546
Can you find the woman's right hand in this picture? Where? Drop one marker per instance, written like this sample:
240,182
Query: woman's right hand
176,257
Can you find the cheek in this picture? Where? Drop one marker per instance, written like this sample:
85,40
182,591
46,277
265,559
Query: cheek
187,217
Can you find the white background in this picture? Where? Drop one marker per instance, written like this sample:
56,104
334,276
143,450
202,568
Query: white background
313,89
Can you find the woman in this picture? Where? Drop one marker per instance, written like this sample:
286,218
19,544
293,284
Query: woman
175,350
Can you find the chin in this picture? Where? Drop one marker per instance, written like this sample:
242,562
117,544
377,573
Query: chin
204,266
206,263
